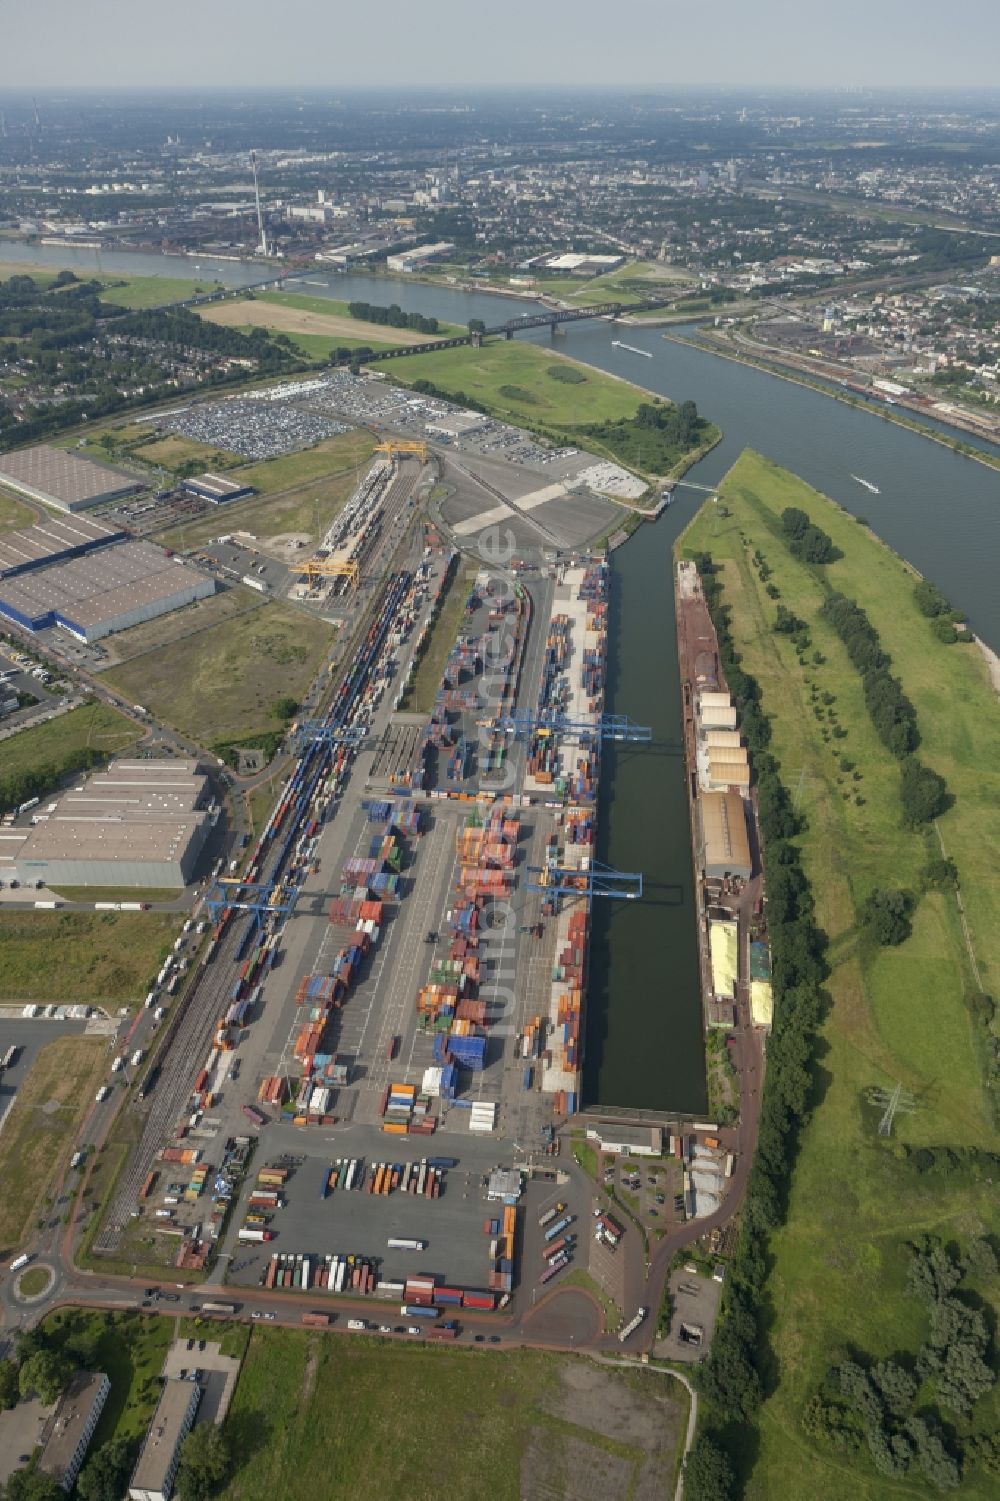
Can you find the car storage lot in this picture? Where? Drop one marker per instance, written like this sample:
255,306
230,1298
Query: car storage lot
360,1223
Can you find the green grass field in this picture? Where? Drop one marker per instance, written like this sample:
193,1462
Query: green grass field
13,512
306,466
43,1120
140,292
897,1014
114,955
173,449
367,1419
524,368
199,616
95,725
627,284
221,684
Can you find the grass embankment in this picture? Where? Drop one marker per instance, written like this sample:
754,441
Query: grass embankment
43,1120
140,292
365,1419
426,680
220,686
117,893
897,1014
14,513
82,958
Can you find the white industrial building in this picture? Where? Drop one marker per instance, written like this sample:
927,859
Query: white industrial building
140,823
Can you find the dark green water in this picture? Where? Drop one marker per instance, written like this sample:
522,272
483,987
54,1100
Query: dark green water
644,1044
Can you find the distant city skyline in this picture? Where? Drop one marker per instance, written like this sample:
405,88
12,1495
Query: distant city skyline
649,44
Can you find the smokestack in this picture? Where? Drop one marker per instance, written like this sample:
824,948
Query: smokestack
256,193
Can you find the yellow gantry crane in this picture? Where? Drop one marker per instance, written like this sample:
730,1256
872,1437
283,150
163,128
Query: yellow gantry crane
403,446
326,568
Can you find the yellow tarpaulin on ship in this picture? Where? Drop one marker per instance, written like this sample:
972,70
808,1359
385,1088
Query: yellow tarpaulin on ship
722,937
761,1003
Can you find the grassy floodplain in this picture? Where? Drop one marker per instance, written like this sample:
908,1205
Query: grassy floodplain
838,1279
514,380
140,292
365,1419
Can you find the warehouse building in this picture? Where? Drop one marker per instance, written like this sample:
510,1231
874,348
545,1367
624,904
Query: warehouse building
216,488
67,1434
729,766
140,823
716,711
64,479
725,842
101,592
627,1141
54,540
156,1470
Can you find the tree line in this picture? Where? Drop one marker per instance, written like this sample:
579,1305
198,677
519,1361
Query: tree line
922,791
19,787
730,1380
392,316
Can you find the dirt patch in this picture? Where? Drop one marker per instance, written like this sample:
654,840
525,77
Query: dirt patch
311,1371
559,1467
606,1402
294,320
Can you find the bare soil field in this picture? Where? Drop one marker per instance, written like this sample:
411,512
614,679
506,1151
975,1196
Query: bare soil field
293,320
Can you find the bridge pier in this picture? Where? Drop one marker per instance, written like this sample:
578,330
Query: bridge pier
476,340
508,333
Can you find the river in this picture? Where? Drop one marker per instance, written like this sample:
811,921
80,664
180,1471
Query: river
937,508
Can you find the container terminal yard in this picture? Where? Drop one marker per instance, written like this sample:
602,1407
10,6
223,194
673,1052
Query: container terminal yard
367,1082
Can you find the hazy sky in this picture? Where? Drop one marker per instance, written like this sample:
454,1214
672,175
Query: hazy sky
58,43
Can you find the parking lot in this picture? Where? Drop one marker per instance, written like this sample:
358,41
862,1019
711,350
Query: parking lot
695,1302
264,425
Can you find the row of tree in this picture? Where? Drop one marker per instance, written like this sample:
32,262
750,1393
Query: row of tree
922,791
19,787
393,316
730,1379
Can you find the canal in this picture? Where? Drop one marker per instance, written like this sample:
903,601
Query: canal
938,509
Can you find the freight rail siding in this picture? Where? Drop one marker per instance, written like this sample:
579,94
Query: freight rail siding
209,993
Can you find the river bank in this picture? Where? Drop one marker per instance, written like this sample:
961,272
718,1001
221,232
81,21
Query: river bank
797,377
902,1014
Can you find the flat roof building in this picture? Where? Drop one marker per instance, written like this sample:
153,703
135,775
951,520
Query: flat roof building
137,824
216,488
98,593
67,1434
65,479
56,539
725,843
623,1141
156,1471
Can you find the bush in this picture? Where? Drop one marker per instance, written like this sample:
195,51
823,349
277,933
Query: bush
923,793
929,600
708,1475
885,915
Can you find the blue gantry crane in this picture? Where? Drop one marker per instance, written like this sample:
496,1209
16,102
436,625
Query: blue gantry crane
263,898
607,726
330,734
592,881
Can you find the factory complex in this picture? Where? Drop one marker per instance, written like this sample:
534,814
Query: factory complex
140,823
64,479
